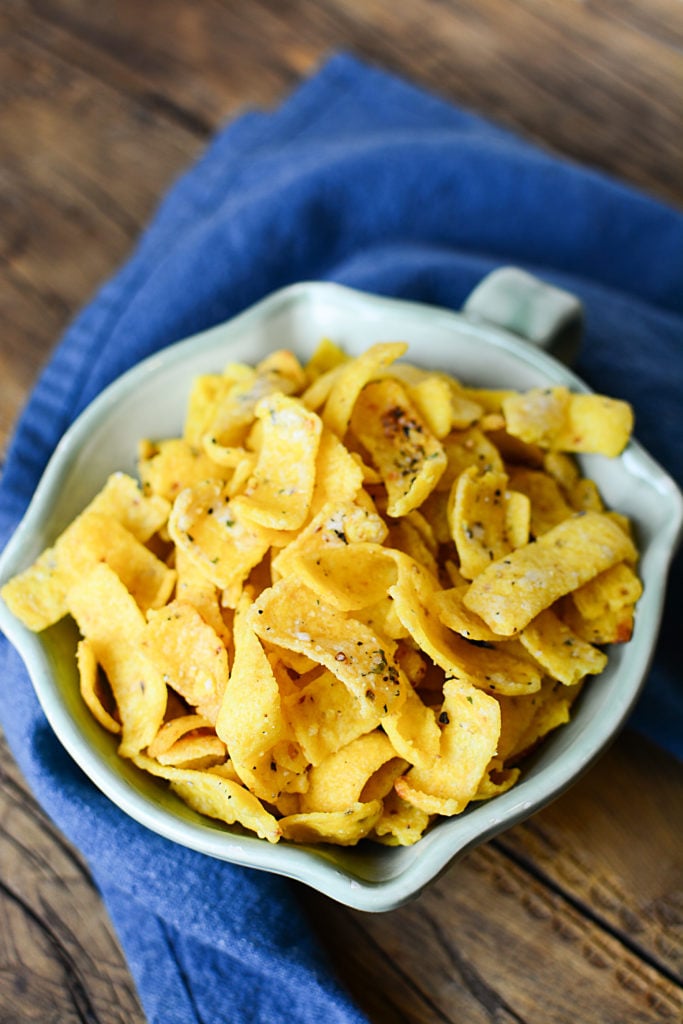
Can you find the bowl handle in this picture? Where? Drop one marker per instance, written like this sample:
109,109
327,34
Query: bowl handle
523,305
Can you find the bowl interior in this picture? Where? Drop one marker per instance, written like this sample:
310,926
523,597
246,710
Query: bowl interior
150,401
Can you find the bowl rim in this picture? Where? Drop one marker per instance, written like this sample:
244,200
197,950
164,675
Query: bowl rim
311,865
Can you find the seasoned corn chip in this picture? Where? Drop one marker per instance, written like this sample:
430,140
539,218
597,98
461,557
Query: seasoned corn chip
343,828
562,654
250,720
110,620
189,655
465,448
292,616
325,716
215,534
556,419
485,523
351,378
611,590
471,725
279,492
215,796
167,467
91,687
410,459
338,781
173,730
513,590
401,823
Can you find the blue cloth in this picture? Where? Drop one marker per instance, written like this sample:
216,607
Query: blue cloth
363,179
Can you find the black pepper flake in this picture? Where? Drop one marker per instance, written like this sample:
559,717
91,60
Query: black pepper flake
443,718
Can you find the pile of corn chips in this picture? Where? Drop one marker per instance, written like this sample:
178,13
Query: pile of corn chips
351,597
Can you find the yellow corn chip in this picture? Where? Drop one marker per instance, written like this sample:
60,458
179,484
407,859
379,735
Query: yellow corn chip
279,492
406,534
199,752
189,655
338,475
95,538
563,469
450,608
550,710
490,399
513,590
413,731
556,419
37,596
611,590
613,626
337,782
291,615
92,689
234,414
193,588
216,796
548,506
481,525
206,392
325,716
489,669
173,730
537,416
497,780
469,739
167,467
121,498
326,356
352,377
401,824
431,396
465,448
410,459
562,654
585,496
217,537
250,721
108,617
343,828
348,576
336,525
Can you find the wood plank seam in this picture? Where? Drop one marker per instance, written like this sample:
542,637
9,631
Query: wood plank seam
587,911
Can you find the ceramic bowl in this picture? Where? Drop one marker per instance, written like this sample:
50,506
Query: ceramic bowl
149,401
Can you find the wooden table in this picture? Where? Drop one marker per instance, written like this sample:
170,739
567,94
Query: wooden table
576,915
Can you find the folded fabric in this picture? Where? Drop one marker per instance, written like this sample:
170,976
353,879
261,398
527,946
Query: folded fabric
362,179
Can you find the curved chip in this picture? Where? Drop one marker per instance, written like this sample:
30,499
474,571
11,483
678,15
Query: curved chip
409,458
278,494
216,796
471,725
513,590
189,654
343,828
292,616
351,377
109,618
337,782
91,688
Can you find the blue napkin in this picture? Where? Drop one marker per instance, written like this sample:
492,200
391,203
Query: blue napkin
363,179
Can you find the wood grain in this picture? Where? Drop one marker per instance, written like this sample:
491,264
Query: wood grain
60,961
572,916
576,915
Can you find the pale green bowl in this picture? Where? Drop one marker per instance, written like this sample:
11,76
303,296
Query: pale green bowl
150,400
